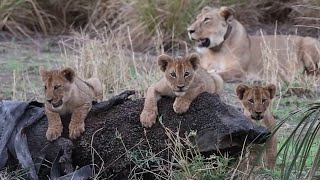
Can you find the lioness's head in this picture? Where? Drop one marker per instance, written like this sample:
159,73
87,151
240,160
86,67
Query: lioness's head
179,72
210,26
57,85
256,99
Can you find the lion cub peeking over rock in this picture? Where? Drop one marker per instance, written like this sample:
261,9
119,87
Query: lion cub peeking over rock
183,79
66,93
256,102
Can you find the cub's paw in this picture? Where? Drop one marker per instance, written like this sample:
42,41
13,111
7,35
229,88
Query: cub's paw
181,106
54,133
75,130
148,118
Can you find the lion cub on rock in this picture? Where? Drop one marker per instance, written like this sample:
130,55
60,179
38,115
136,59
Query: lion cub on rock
256,101
66,93
183,79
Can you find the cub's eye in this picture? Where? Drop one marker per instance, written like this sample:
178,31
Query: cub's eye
56,87
251,101
45,88
206,19
264,100
173,74
186,74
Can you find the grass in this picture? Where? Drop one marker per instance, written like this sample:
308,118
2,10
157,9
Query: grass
297,150
105,58
14,175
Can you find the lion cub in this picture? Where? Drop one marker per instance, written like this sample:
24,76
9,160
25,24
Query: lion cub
256,101
66,93
183,79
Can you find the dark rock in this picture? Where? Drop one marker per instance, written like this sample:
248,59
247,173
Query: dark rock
112,135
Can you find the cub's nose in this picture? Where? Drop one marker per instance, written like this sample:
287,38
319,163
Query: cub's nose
180,86
49,100
258,113
191,31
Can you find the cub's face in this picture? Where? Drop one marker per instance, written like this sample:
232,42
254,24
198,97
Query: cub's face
256,100
210,27
179,72
57,86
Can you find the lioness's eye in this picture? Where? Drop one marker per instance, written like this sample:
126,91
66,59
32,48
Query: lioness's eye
186,74
264,100
251,101
173,74
56,87
206,19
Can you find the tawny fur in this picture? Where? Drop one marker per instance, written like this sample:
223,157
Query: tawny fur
183,79
256,102
239,57
66,93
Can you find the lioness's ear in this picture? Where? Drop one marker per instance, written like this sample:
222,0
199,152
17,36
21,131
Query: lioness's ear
272,90
241,89
163,61
206,9
227,13
194,60
68,73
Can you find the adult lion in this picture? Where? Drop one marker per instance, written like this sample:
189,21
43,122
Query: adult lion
227,49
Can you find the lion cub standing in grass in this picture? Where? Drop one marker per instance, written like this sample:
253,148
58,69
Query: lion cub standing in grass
66,93
183,79
256,102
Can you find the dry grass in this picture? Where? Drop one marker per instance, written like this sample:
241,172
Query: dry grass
104,57
143,17
25,17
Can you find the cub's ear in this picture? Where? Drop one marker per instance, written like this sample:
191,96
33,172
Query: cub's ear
42,72
241,89
68,73
272,90
206,9
227,13
163,61
194,60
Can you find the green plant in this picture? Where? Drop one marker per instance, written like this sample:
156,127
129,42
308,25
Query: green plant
300,156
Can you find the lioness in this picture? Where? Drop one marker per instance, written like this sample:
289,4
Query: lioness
256,101
183,79
227,49
66,93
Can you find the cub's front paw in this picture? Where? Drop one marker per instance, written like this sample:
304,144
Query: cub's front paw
54,133
75,130
148,118
181,106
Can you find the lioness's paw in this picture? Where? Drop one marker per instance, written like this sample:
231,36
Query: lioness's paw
181,106
148,118
54,133
75,130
